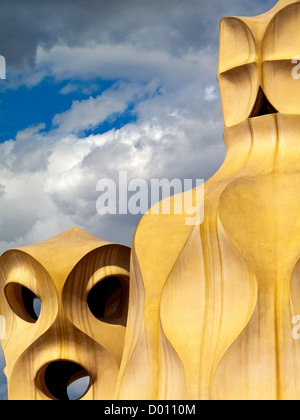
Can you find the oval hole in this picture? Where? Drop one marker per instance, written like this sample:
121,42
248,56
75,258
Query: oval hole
63,380
108,299
23,302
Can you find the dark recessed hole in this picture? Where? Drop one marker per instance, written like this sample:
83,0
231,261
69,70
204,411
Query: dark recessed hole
108,299
29,300
262,106
23,302
63,380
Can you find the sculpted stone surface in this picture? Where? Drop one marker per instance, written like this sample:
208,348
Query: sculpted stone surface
83,286
211,307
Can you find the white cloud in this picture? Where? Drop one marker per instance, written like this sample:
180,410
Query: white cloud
123,61
69,88
88,114
126,62
77,87
210,93
49,178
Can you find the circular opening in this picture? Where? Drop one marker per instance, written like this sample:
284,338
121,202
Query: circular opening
63,380
23,302
105,298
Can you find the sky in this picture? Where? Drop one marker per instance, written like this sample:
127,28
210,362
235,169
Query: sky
94,87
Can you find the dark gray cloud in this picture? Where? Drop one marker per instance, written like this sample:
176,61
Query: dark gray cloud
171,25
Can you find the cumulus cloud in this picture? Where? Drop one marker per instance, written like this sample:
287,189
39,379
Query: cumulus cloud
88,114
55,186
124,61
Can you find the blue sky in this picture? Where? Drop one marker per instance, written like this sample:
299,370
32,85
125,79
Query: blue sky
29,106
95,87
